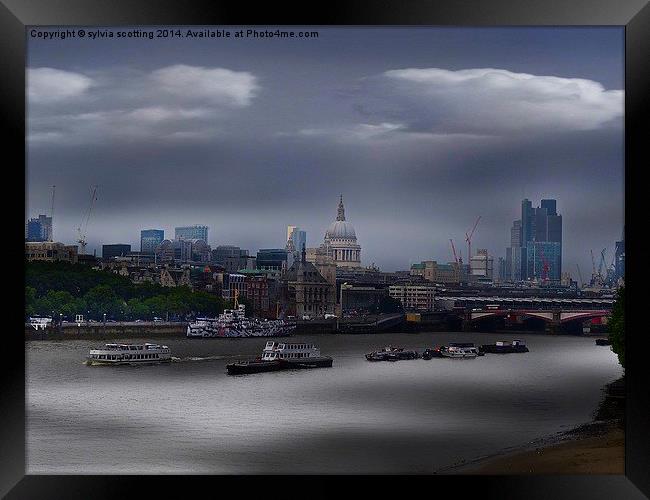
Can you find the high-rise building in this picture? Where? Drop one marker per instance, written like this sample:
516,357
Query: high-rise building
272,258
39,229
619,260
195,232
541,241
482,265
535,250
296,240
150,239
116,250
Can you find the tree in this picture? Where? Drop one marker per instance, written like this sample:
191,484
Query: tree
103,300
617,326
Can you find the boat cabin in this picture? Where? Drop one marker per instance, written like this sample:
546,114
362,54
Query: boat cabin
286,350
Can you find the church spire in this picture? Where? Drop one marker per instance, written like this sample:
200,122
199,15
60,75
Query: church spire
341,214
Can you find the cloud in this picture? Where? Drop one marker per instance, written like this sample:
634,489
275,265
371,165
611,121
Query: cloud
362,131
49,85
208,85
489,101
178,103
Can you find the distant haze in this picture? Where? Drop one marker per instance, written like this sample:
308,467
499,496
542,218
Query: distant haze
422,130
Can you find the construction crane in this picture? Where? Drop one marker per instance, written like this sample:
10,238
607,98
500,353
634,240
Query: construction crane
582,283
458,262
593,269
83,227
468,239
52,215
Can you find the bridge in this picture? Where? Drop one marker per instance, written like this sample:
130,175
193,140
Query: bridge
550,316
553,320
526,303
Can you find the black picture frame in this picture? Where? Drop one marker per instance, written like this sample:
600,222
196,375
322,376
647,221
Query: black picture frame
15,15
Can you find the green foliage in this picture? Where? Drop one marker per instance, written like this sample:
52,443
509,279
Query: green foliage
53,288
617,326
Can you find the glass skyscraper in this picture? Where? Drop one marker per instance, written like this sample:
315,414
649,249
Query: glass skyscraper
150,239
535,250
195,232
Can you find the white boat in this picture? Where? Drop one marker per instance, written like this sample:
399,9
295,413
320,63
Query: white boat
234,323
282,356
459,351
40,323
129,354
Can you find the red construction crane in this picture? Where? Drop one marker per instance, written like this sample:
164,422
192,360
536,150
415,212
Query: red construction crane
468,239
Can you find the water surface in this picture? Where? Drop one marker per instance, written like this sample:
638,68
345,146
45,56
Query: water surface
357,417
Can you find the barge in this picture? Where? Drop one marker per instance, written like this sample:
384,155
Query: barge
504,347
278,356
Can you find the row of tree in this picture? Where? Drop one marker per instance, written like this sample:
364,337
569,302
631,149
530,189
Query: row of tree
63,290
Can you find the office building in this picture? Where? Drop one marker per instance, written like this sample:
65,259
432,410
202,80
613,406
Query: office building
535,250
195,232
50,251
414,297
619,261
150,239
39,229
272,258
115,250
482,265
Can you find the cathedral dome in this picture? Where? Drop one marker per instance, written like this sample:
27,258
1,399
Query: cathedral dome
340,229
341,241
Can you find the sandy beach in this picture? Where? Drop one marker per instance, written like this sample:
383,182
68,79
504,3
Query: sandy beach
603,454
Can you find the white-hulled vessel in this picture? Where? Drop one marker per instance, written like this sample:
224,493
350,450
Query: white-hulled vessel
459,350
129,354
282,356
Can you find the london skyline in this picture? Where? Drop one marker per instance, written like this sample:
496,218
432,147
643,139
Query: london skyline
422,130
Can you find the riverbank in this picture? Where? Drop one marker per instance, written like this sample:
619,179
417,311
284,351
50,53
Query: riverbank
597,447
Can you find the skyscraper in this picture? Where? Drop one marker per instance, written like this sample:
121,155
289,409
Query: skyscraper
541,241
619,262
297,239
39,229
150,239
195,232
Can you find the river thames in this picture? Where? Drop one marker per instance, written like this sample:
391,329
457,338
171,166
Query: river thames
417,416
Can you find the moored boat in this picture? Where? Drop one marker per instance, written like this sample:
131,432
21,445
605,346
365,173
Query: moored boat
129,354
282,356
459,350
234,323
391,353
504,347
432,353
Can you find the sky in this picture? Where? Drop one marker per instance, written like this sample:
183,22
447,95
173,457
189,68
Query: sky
422,130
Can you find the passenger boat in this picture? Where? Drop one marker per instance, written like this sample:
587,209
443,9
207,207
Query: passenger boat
503,347
234,323
391,353
282,356
129,354
459,350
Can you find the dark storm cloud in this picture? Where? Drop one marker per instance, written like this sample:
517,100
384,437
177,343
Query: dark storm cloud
419,137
